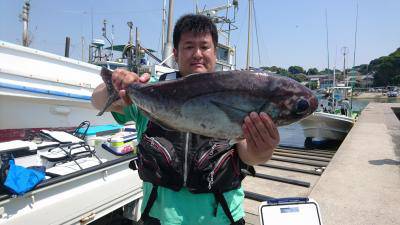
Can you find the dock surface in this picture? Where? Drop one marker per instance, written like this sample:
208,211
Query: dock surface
361,181
361,185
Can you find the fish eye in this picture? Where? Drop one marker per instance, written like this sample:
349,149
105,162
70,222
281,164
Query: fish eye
302,106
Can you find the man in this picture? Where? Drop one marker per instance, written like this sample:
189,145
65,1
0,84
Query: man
179,188
345,107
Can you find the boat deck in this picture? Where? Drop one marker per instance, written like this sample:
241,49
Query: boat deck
361,183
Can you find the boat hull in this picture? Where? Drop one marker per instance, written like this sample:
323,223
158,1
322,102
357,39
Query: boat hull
326,126
43,90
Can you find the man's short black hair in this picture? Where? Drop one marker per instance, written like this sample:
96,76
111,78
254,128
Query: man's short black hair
197,24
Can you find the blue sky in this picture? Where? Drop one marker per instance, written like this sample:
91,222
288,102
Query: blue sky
291,32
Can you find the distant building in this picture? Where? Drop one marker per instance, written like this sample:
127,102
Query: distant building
322,80
366,81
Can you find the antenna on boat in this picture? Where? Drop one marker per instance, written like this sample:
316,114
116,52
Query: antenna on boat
334,68
25,21
249,35
163,27
327,35
345,50
355,39
353,71
104,29
255,26
225,25
334,80
91,19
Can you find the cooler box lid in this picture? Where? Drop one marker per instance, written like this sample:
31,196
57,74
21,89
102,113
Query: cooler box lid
290,211
93,130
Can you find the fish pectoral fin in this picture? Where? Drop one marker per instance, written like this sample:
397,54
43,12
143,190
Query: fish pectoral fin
158,122
262,106
234,113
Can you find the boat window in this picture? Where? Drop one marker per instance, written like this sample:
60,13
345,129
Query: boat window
218,67
222,54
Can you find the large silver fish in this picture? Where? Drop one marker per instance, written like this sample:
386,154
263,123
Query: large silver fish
215,104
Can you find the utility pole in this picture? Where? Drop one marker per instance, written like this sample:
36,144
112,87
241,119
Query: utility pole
25,21
168,45
249,35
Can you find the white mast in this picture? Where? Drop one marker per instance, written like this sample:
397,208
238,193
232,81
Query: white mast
168,45
327,34
355,39
249,35
163,27
345,50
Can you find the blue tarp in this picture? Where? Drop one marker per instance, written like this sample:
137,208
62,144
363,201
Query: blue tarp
21,180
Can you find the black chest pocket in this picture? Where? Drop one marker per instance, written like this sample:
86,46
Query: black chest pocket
158,163
215,168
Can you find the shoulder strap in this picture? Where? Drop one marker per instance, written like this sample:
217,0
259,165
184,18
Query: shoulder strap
219,197
168,76
150,202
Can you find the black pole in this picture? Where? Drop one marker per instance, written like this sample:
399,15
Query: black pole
67,44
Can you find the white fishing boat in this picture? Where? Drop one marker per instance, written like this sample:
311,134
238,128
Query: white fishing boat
80,183
333,119
43,90
321,125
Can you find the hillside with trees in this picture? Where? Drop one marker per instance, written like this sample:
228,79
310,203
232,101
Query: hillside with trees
386,70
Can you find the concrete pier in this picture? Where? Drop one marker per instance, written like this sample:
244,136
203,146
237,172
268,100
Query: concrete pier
361,185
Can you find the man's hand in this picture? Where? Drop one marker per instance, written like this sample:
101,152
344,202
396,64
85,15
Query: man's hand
122,79
261,138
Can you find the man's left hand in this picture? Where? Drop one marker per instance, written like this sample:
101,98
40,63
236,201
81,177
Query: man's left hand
261,138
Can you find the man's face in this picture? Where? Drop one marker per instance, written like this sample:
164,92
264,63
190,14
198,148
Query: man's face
195,53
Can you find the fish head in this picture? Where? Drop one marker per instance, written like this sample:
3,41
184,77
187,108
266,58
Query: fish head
290,103
305,105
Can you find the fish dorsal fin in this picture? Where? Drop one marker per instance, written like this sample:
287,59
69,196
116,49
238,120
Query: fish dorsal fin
234,113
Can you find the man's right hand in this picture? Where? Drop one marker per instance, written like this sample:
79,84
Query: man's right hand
121,79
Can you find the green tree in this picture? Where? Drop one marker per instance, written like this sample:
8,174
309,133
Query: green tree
312,71
326,71
386,69
363,68
276,69
296,69
282,71
298,77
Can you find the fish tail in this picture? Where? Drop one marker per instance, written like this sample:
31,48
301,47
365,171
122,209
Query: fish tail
113,96
110,100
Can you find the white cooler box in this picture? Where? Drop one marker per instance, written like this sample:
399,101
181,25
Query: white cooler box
290,211
122,143
117,145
